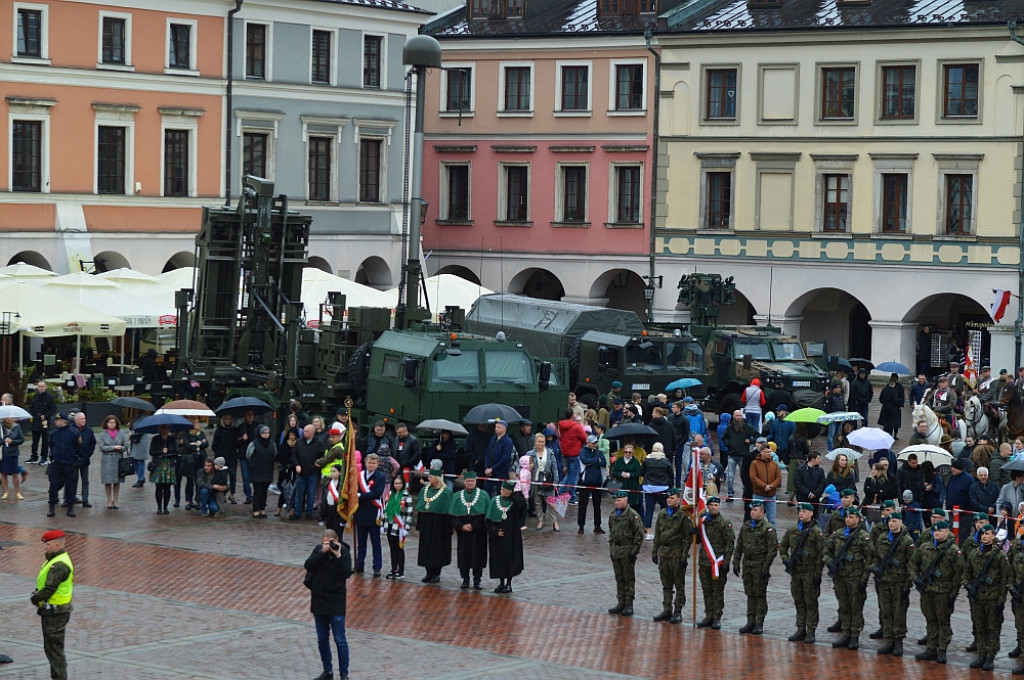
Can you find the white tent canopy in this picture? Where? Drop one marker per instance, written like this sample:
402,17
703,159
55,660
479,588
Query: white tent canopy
23,270
317,283
40,312
137,310
126,276
447,289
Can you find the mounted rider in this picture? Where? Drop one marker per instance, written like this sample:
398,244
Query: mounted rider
943,401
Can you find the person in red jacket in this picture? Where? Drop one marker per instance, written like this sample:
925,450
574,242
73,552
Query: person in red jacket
572,438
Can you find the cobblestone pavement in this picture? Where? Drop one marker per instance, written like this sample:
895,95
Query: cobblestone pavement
185,597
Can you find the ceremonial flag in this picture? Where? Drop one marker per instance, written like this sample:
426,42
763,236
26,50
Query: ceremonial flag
350,484
694,494
998,308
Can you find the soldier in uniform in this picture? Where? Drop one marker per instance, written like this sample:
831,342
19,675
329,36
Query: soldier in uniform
625,538
987,577
849,558
801,551
1016,559
717,536
673,536
893,551
877,530
935,568
756,548
970,546
52,599
837,522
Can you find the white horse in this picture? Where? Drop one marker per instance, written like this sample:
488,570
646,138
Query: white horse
975,419
934,431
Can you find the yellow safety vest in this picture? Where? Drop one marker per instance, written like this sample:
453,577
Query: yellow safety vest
63,593
326,470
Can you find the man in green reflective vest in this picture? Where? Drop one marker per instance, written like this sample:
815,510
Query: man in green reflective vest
52,598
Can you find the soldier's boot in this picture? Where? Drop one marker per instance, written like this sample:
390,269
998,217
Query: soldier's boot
677,616
990,663
705,622
973,647
627,609
897,647
747,628
841,642
810,639
1015,652
940,656
854,643
877,635
665,615
71,509
978,663
798,636
887,649
758,629
617,609
836,627
716,624
1019,670
929,654
922,641
52,511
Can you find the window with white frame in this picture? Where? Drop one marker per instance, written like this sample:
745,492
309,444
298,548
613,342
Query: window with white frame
626,193
514,192
516,88
31,33
717,195
181,46
321,68
322,137
958,193
28,126
373,61
455,192
458,90
180,128
371,169
629,94
893,185
571,193
833,188
115,41
255,153
115,141
573,87
257,47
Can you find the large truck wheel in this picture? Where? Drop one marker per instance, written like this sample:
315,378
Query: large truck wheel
359,366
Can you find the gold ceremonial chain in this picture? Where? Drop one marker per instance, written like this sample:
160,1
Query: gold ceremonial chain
427,499
469,505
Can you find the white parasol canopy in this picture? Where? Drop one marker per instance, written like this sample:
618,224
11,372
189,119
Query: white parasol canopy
447,289
317,283
40,312
138,311
22,270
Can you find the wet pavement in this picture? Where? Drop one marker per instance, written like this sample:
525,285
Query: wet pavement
182,596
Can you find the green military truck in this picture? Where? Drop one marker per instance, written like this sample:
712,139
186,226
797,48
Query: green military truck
601,345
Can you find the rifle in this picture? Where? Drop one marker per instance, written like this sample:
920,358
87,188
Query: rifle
929,574
878,571
835,566
1017,594
797,558
982,579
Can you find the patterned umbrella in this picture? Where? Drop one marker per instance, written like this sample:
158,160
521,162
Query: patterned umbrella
927,453
839,417
843,451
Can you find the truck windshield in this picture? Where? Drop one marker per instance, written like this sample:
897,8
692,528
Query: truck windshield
756,348
788,351
682,354
463,368
648,357
508,368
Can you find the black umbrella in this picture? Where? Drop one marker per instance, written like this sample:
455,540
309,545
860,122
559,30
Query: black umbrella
630,430
239,405
858,362
133,402
836,363
487,413
1014,465
152,424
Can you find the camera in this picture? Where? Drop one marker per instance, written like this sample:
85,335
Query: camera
334,545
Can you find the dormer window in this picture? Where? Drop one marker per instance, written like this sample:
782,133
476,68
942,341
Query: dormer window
648,6
478,9
611,7
515,9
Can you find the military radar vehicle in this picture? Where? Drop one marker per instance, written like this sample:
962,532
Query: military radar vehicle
737,354
243,329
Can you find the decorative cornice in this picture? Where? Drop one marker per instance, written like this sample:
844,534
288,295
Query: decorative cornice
509,148
625,148
789,156
571,149
29,101
455,148
116,108
177,111
849,157
959,156
877,156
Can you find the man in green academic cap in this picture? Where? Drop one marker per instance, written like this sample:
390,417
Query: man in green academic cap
673,537
435,526
505,516
469,513
625,538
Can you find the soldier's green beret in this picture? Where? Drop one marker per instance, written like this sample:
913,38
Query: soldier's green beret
854,512
847,492
939,511
756,504
805,506
896,515
980,517
621,493
987,527
674,491
714,499
889,504
942,524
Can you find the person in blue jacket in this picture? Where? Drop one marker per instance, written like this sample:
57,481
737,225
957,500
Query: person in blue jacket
370,513
497,458
86,447
782,431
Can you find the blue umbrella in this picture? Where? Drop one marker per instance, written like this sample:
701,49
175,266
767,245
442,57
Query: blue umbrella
893,367
682,384
151,424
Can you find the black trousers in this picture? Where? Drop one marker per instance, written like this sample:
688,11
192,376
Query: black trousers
397,555
592,496
40,444
259,495
62,476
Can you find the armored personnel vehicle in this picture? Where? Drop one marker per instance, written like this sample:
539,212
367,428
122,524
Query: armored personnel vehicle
601,345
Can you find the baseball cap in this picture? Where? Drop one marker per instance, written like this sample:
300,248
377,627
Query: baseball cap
591,439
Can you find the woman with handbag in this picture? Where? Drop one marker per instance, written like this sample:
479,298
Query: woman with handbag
163,449
11,438
546,480
195,444
114,445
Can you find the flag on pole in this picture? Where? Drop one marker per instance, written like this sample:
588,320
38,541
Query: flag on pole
694,494
999,304
350,485
970,372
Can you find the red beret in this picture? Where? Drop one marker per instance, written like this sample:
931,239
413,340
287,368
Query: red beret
335,432
52,535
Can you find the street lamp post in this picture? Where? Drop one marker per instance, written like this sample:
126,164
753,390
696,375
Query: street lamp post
653,283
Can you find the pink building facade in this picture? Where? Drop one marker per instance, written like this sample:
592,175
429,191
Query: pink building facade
539,160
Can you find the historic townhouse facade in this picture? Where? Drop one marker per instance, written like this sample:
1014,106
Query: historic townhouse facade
539,158
855,166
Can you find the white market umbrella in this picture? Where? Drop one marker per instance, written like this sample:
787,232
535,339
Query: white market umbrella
317,283
871,438
445,290
178,278
126,276
22,270
138,310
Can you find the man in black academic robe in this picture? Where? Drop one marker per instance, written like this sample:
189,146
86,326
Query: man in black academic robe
435,526
469,521
505,517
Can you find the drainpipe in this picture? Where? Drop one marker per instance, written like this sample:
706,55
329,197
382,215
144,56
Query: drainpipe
229,116
648,34
1020,233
